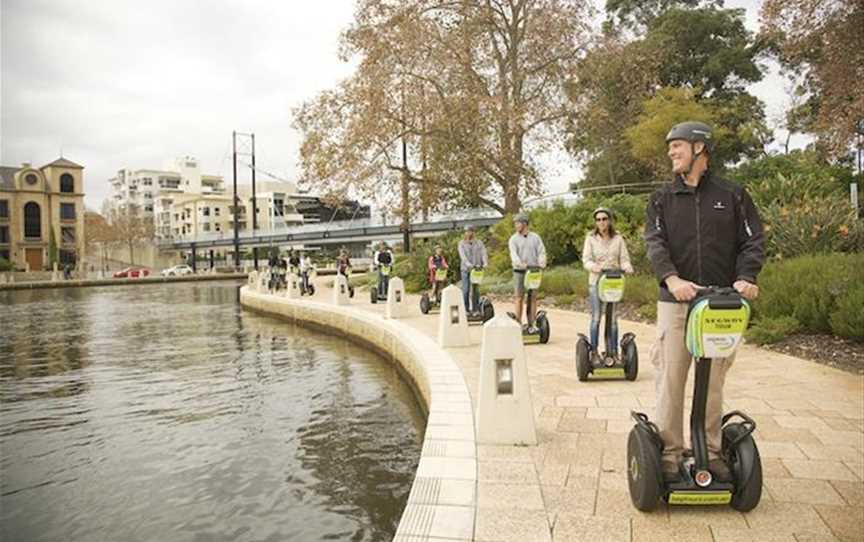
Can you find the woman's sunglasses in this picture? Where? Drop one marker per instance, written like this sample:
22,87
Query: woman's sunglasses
601,219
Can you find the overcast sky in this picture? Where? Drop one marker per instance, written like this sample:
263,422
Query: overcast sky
121,83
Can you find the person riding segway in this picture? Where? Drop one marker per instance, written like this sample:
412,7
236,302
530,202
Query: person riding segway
605,257
383,261
528,257
343,267
307,273
437,267
699,230
473,260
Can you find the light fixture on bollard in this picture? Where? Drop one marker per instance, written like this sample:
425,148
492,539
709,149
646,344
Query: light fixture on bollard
454,314
504,376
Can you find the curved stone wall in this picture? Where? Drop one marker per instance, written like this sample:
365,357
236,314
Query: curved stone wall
443,499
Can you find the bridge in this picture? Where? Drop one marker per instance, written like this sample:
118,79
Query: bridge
346,231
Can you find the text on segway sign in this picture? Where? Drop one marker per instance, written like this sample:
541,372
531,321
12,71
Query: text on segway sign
692,497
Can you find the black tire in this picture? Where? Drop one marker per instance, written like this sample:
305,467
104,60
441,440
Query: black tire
644,476
583,362
544,327
350,291
631,357
373,294
487,309
311,290
424,303
746,466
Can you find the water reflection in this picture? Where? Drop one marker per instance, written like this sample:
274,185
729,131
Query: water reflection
168,413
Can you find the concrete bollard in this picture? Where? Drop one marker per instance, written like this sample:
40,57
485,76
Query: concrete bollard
3,278
452,322
341,295
505,414
252,281
396,307
100,275
292,288
54,275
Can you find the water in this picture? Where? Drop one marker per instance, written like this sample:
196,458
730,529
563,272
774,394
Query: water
169,413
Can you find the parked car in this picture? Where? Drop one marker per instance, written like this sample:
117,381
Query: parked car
177,270
132,273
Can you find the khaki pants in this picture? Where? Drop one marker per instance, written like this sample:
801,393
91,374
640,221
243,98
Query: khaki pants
672,363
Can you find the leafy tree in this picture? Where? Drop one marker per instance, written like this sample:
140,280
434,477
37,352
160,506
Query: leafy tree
822,42
454,97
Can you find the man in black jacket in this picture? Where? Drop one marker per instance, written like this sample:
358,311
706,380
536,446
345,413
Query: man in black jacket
700,230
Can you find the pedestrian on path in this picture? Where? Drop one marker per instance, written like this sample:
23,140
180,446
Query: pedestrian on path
700,230
526,252
604,248
472,255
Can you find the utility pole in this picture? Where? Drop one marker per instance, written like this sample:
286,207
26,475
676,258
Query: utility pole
254,206
236,205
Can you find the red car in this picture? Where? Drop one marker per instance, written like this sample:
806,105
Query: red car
132,273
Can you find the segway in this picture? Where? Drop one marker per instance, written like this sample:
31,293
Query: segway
306,285
715,322
483,309
433,303
374,294
610,290
541,329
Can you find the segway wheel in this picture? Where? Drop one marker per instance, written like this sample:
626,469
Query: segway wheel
350,291
424,303
544,327
644,476
373,294
311,290
583,364
487,309
631,357
746,467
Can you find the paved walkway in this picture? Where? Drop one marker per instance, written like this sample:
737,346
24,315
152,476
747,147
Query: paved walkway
573,486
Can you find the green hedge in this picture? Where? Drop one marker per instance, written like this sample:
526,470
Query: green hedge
5,265
823,293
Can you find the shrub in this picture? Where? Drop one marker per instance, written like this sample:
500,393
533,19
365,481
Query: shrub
848,318
648,311
771,330
561,281
819,225
640,290
810,289
5,265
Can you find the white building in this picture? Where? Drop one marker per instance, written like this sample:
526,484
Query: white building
151,192
200,216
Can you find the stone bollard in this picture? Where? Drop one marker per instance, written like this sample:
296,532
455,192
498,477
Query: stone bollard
396,307
3,279
505,414
252,281
263,283
100,275
54,275
452,322
341,295
292,288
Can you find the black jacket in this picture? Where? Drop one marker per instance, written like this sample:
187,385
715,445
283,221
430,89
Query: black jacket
710,235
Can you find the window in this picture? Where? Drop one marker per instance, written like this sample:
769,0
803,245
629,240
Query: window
218,227
4,255
67,184
205,211
4,208
216,211
32,220
4,234
67,211
31,178
67,235
206,227
148,208
177,217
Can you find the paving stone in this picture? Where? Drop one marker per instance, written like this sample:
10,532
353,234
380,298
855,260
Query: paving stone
803,491
581,425
724,534
672,533
553,474
834,453
852,492
715,516
507,472
503,525
846,524
488,452
522,496
781,518
820,470
569,528
569,500
780,450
